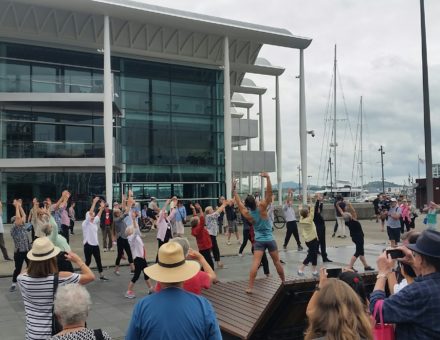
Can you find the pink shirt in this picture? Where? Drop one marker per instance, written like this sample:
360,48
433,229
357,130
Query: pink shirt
65,219
405,212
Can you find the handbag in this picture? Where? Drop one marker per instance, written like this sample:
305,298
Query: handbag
56,326
381,330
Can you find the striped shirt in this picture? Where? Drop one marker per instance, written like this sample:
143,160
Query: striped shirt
37,296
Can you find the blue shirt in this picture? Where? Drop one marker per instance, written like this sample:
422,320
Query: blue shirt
173,314
415,309
262,227
180,215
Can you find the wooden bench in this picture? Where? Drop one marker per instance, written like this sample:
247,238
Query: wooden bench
273,311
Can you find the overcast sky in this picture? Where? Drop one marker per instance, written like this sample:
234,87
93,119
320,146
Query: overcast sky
379,58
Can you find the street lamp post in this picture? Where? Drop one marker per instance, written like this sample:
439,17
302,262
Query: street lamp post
299,178
381,161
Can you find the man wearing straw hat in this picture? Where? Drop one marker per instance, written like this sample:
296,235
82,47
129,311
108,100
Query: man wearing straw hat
193,314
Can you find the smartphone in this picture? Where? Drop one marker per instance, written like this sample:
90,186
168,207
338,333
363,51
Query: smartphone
333,272
395,253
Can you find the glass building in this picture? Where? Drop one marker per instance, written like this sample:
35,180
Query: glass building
152,122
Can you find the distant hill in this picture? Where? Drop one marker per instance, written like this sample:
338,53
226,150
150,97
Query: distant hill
375,186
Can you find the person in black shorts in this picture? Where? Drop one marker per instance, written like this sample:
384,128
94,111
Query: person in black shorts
357,236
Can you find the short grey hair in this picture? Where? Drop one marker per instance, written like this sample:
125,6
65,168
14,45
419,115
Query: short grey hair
183,241
72,304
46,229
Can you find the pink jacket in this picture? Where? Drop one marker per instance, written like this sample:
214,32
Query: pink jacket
406,211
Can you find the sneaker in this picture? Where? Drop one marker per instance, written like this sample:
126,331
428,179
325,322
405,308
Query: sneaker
103,278
228,243
326,260
300,247
12,288
130,295
8,259
282,262
352,269
367,268
333,235
240,254
315,274
105,250
339,236
117,272
300,273
284,247
132,272
344,236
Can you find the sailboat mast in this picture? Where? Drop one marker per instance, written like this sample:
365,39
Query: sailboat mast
362,163
334,118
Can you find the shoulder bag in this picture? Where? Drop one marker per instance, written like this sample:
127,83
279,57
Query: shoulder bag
381,330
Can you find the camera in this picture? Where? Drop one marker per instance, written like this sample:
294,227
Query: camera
395,253
333,272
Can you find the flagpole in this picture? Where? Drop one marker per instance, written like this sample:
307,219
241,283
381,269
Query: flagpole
418,166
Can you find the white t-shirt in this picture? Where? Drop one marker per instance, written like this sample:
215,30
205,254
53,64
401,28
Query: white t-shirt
289,213
136,245
38,301
2,229
399,286
90,230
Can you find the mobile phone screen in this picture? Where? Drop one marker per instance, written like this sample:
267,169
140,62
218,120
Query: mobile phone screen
334,272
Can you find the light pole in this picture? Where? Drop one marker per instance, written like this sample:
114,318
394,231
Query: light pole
299,178
381,161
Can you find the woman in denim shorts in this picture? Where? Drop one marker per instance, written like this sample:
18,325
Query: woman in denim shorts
257,215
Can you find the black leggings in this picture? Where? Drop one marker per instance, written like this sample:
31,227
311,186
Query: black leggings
359,242
320,230
93,250
292,228
215,249
207,255
246,238
65,232
312,253
19,258
139,265
122,244
160,242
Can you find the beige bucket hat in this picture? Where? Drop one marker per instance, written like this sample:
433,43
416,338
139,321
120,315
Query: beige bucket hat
172,266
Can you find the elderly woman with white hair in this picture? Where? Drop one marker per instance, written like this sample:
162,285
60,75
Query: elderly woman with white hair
356,234
72,305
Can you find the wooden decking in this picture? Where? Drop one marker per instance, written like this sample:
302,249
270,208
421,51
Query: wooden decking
240,313
271,311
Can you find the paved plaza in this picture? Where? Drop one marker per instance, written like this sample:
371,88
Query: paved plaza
111,311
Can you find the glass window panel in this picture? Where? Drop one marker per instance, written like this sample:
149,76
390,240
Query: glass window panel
44,132
79,134
133,83
191,89
77,81
191,105
161,103
18,77
161,86
44,79
135,100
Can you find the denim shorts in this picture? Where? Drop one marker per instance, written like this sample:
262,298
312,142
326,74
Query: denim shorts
263,245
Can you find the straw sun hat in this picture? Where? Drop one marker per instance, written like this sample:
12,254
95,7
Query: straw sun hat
42,249
172,266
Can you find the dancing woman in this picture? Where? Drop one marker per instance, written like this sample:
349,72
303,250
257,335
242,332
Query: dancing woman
257,215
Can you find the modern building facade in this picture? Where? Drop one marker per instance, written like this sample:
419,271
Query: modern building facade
436,170
101,96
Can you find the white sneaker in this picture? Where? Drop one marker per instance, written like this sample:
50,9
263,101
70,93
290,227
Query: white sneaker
105,250
117,272
240,254
228,243
130,295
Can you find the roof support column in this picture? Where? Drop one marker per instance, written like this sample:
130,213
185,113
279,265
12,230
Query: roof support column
302,127
278,140
227,119
108,114
250,189
261,133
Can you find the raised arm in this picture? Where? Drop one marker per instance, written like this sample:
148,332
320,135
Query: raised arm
221,208
352,211
193,254
101,209
268,194
243,210
92,208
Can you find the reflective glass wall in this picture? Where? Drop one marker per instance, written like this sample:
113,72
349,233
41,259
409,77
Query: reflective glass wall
169,129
